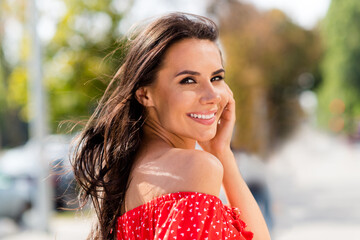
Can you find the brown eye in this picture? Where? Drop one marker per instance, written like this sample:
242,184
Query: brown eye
187,81
217,78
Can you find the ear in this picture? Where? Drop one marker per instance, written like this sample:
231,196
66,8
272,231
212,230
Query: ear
144,97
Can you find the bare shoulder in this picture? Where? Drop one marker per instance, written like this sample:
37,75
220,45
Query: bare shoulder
197,171
175,170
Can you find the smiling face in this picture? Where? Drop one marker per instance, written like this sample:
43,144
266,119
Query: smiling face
189,93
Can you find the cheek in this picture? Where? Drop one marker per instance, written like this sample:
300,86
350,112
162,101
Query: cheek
174,104
181,99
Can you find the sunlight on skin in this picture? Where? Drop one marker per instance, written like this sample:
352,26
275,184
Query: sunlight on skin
152,169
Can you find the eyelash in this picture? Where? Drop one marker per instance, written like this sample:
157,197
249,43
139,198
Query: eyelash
219,78
186,80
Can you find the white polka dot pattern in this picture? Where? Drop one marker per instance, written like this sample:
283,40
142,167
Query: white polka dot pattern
182,215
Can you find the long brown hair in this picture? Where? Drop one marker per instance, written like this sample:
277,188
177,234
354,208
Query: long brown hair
107,146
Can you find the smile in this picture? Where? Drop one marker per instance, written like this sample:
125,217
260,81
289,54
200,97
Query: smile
205,118
202,116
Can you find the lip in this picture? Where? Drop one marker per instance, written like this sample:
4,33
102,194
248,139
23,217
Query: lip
204,121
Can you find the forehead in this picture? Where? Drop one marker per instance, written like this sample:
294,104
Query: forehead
191,54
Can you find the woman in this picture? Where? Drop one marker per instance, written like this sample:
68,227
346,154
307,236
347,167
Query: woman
136,158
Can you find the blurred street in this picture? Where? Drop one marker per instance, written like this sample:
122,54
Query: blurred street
315,182
62,227
314,185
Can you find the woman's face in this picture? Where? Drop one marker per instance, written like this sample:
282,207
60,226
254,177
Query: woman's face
189,92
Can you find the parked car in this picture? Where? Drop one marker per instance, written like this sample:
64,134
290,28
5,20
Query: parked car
15,196
23,161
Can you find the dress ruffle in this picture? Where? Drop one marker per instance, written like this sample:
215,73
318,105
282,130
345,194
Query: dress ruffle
238,223
183,215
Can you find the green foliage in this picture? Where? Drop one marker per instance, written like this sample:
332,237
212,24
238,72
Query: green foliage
76,71
75,67
2,89
17,91
341,71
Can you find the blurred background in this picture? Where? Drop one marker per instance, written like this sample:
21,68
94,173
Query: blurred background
294,68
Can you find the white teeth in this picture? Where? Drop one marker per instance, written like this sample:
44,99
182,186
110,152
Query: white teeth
202,116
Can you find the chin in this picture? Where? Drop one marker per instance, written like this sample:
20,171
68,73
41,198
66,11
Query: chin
206,136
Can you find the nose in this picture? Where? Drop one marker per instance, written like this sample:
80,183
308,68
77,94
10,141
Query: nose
210,95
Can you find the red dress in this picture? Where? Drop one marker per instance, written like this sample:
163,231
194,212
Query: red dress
182,215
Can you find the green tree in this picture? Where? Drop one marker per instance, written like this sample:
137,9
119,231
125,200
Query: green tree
339,96
75,67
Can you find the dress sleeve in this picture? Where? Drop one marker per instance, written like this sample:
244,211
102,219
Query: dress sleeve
198,217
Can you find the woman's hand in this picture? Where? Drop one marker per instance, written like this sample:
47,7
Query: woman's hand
220,144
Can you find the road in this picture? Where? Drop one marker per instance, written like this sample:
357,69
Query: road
314,182
61,228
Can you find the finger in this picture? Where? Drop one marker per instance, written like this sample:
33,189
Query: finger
229,109
229,90
230,104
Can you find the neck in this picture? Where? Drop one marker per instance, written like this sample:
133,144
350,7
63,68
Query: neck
154,131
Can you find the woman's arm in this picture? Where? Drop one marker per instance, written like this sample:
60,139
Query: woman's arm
239,195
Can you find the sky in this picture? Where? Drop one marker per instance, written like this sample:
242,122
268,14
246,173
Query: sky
306,13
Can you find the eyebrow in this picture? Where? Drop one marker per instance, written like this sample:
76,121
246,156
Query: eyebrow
197,73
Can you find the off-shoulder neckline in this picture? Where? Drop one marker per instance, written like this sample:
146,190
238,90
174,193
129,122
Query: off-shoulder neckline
170,196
